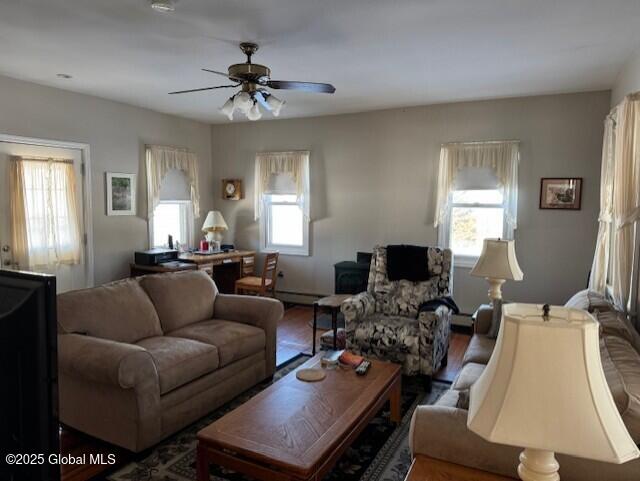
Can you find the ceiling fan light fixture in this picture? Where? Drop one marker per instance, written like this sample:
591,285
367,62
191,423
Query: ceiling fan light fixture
275,104
254,112
228,108
242,101
164,6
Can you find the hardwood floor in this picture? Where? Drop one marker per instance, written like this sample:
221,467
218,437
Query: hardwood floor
294,337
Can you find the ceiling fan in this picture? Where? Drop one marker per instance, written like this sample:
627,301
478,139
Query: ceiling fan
254,79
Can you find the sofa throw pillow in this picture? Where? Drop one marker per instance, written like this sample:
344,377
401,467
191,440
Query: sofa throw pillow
588,300
407,262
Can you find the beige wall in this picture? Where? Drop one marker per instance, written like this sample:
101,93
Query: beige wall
117,134
374,176
628,80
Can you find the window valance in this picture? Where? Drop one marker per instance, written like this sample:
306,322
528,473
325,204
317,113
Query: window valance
501,157
159,161
295,164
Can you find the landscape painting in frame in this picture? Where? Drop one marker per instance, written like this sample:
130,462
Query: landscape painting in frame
561,193
121,194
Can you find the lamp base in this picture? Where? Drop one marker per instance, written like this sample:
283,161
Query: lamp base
495,287
538,465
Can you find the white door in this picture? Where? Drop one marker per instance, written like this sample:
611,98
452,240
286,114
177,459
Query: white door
67,277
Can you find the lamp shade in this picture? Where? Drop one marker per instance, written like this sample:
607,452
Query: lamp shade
498,261
544,388
214,222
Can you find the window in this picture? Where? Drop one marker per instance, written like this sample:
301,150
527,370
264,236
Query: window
282,201
475,215
284,227
173,218
477,196
45,221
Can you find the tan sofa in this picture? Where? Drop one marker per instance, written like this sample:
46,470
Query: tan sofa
440,430
139,359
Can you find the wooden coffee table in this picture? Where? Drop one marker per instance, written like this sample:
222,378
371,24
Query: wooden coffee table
294,430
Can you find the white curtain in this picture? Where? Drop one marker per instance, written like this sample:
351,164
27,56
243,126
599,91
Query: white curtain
501,157
626,198
295,164
159,161
600,267
45,222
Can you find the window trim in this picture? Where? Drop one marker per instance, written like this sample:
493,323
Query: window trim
266,246
188,205
444,230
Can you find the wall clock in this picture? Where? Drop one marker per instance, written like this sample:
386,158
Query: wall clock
232,189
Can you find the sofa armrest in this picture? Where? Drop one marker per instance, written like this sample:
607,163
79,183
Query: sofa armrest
441,432
261,312
356,308
104,361
483,319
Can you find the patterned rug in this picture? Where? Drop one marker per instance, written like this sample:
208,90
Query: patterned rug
380,453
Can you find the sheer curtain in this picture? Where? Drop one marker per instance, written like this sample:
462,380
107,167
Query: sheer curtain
294,163
502,157
613,261
626,200
44,213
600,267
159,161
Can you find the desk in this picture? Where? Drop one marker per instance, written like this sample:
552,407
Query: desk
141,270
225,267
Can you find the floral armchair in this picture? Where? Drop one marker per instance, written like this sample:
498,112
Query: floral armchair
384,322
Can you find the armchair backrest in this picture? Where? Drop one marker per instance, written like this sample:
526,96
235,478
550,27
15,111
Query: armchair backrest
404,297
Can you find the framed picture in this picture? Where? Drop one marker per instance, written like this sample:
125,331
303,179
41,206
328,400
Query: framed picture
232,189
121,194
561,193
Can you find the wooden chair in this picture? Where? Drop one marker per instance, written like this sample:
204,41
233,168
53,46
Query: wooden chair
261,286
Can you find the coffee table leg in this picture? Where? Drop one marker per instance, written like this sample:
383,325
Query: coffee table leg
395,400
313,340
202,464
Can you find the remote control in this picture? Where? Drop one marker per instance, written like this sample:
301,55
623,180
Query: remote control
362,369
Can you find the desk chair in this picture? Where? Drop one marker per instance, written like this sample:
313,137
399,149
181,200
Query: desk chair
262,286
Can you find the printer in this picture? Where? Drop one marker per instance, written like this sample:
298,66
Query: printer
154,257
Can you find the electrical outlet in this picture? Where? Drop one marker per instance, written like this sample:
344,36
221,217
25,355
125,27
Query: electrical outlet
280,274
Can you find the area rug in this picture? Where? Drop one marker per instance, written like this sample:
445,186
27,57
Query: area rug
380,453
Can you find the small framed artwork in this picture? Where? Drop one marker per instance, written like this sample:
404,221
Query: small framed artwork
232,189
561,193
121,194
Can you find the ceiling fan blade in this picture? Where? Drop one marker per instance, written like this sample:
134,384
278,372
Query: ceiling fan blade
260,97
204,88
304,86
237,79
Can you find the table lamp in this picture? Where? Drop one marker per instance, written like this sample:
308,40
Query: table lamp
497,263
214,225
544,390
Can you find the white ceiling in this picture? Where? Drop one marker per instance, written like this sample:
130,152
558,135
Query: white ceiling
378,53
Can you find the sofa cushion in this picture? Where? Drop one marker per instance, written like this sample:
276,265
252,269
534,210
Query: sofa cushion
479,350
467,376
233,340
180,361
620,362
614,323
181,298
448,399
119,311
